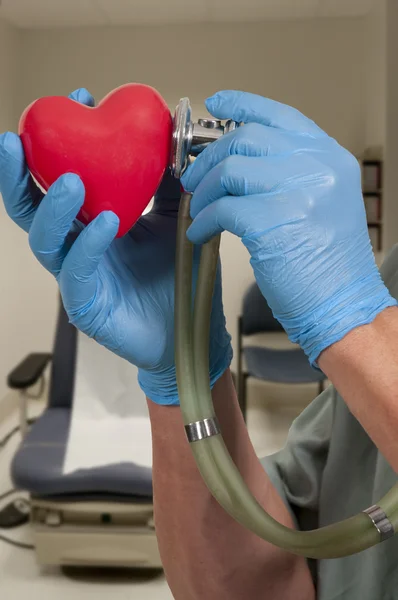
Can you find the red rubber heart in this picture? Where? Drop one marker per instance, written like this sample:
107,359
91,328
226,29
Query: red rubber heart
120,149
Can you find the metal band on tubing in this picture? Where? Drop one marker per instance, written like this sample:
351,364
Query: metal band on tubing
200,430
381,522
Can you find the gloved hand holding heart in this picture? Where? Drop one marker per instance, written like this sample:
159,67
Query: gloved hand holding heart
120,149
120,292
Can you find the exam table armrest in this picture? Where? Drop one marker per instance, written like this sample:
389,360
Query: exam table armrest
29,371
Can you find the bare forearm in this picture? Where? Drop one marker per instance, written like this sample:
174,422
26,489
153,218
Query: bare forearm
364,368
205,553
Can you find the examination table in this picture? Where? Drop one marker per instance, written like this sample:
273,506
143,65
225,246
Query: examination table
92,517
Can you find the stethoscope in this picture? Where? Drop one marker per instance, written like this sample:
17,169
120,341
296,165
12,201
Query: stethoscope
353,535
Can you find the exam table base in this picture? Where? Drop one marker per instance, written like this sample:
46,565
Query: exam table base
94,534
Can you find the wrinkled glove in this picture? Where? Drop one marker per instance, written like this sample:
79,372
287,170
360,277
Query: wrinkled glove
118,291
294,197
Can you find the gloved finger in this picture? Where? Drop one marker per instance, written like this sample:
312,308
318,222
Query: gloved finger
250,140
251,108
237,214
78,279
53,221
246,176
83,96
21,195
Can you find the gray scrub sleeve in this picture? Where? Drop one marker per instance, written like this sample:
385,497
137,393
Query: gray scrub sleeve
296,471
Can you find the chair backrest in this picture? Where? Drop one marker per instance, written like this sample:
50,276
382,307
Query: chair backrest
257,316
62,378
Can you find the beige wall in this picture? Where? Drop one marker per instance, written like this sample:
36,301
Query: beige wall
376,74
390,178
8,64
25,296
7,81
317,66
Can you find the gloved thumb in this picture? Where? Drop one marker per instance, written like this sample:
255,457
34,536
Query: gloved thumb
82,96
78,279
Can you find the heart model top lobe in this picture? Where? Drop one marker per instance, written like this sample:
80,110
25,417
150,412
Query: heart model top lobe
120,149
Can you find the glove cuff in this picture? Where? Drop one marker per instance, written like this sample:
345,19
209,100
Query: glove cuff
161,387
352,308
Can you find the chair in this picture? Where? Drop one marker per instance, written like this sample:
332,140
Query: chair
264,363
94,517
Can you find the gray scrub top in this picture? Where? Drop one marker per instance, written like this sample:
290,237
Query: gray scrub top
330,470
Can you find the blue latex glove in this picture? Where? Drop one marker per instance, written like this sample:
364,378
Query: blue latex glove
294,197
118,291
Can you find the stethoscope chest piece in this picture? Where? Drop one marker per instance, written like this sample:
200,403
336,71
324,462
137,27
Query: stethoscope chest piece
191,138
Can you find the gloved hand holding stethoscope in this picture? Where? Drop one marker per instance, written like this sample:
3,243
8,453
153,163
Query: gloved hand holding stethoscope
293,195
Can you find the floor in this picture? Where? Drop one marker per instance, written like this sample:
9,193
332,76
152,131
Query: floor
271,410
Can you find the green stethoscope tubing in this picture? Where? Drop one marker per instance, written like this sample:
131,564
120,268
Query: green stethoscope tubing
215,464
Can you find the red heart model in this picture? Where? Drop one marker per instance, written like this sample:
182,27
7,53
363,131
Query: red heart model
120,149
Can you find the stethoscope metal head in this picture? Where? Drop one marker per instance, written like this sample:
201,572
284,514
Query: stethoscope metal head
191,138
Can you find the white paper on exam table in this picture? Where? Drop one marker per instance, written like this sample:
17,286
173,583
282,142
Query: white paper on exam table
110,422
